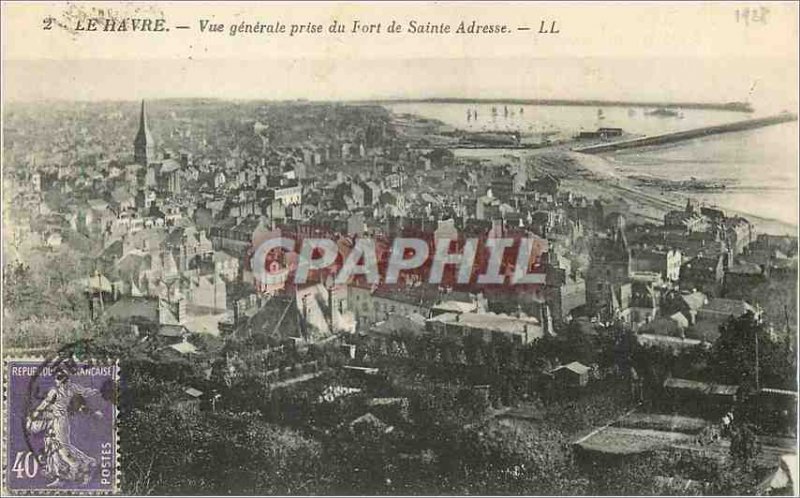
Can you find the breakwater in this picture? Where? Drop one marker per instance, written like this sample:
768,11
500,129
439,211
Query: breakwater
677,136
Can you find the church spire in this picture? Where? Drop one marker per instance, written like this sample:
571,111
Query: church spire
143,118
143,145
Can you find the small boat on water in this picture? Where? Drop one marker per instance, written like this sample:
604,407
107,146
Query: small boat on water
600,114
663,112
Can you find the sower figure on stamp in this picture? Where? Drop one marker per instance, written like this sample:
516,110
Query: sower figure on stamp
63,461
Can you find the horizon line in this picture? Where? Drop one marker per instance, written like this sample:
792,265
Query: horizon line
740,106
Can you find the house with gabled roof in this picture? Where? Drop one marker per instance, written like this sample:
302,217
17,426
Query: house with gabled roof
574,374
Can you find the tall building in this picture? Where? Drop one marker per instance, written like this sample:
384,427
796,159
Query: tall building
610,269
144,148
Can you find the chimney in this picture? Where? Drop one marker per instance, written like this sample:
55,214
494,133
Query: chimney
330,306
546,320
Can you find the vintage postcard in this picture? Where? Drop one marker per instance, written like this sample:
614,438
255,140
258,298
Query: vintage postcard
399,248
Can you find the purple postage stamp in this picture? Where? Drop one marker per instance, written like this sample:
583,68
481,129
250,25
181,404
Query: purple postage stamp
61,427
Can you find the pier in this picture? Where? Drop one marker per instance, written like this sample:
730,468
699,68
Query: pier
677,136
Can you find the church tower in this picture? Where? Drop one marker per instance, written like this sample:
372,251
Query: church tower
689,207
144,150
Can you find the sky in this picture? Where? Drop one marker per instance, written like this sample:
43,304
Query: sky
597,78
637,51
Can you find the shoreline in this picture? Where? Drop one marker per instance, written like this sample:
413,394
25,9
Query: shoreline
592,177
651,199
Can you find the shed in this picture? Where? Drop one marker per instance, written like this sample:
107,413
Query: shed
189,401
573,374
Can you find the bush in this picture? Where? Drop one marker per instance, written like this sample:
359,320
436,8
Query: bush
171,452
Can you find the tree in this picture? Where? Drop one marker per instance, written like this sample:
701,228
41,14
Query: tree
473,345
495,459
578,340
169,451
733,357
745,446
732,480
777,296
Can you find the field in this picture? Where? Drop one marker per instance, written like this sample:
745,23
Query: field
625,441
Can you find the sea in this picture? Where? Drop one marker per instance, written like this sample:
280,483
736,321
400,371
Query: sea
759,167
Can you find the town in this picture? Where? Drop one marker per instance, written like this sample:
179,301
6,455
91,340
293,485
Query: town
652,351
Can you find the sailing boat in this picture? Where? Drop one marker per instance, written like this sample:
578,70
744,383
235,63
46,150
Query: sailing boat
600,114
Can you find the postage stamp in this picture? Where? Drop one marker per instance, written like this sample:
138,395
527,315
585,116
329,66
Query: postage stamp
61,426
